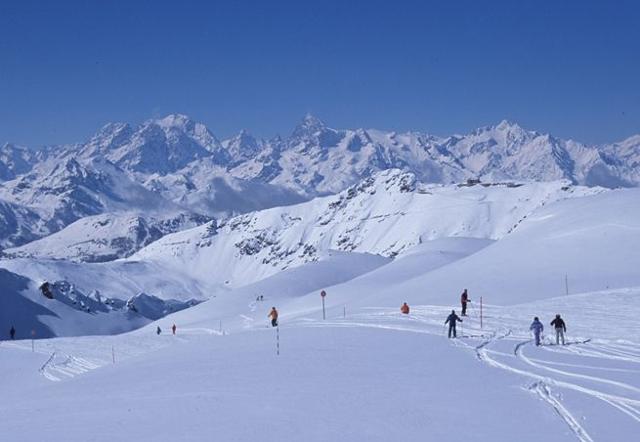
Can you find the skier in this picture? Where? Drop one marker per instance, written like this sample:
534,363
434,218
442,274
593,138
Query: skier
404,309
12,332
158,330
561,329
537,328
464,298
274,317
173,328
451,320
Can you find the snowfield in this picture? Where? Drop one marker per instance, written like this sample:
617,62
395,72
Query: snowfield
364,371
373,374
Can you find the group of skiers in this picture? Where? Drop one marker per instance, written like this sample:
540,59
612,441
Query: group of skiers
536,327
558,324
173,329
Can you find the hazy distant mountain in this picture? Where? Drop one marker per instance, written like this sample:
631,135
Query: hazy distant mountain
177,165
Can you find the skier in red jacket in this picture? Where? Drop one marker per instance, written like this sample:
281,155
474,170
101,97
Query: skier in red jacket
464,298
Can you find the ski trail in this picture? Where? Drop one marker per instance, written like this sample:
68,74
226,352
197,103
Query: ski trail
520,354
590,367
623,404
540,388
70,367
544,392
597,353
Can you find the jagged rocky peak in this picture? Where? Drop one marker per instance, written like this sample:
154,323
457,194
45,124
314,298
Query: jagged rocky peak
388,181
243,145
310,125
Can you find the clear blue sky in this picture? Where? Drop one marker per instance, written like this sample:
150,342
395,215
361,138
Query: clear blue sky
571,68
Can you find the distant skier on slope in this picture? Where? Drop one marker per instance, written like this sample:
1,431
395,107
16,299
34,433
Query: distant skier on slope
464,298
561,329
12,332
173,329
451,320
273,314
158,330
404,309
537,328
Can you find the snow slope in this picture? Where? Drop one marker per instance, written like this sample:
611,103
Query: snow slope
386,214
374,374
107,236
366,371
71,312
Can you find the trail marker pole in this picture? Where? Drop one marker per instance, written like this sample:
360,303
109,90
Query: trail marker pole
344,312
323,294
566,284
278,340
480,311
221,326
113,354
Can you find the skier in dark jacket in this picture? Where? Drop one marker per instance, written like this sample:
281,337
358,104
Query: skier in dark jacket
561,329
537,328
464,298
451,320
158,330
12,332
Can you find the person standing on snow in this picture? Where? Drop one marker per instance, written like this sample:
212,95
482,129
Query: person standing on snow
173,329
537,328
561,329
273,314
464,298
404,309
12,332
158,330
451,320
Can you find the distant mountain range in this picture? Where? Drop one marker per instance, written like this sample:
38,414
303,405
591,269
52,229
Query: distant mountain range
169,174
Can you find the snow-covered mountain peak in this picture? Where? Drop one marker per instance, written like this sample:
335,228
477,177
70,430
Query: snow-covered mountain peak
242,147
179,121
309,126
505,132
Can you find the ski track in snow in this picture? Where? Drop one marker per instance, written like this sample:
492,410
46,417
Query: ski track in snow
68,358
428,319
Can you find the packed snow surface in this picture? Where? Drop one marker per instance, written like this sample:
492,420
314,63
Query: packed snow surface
348,367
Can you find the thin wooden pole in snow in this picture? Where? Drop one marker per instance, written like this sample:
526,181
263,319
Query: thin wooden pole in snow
566,284
278,340
113,354
344,312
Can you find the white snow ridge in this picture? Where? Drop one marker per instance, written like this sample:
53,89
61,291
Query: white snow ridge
110,244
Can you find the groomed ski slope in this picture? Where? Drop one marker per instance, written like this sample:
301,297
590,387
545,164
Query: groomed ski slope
372,375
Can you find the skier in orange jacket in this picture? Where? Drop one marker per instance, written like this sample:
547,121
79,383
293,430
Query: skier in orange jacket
273,314
404,309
